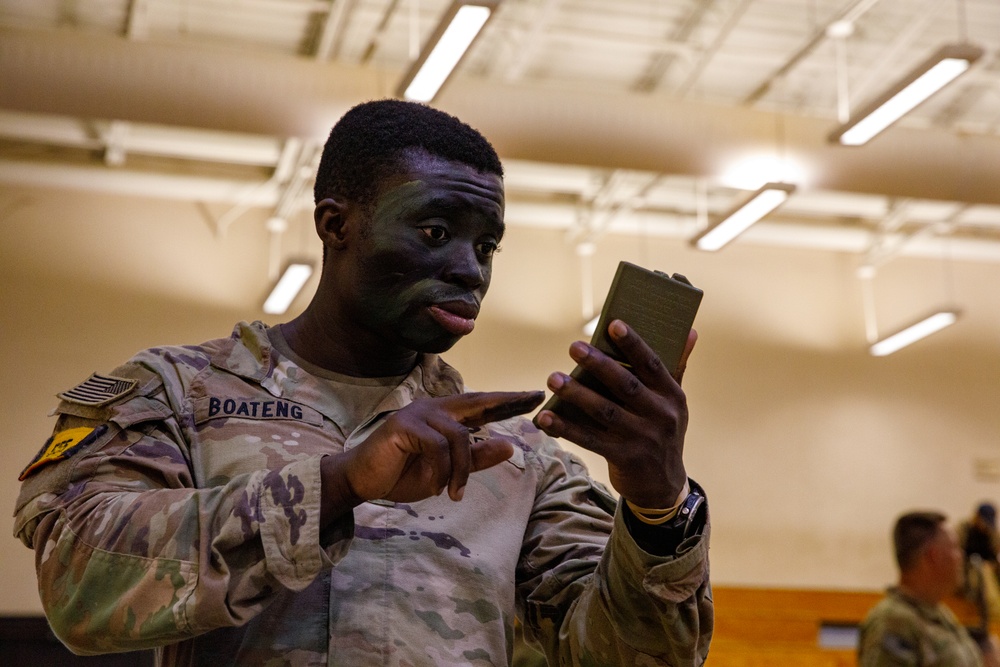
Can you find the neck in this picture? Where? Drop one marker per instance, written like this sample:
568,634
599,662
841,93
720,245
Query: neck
321,342
920,589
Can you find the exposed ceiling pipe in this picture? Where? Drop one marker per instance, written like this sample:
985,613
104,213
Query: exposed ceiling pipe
328,44
84,75
72,73
139,184
266,194
137,20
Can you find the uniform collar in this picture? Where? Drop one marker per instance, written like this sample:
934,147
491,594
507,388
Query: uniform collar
926,609
248,353
430,377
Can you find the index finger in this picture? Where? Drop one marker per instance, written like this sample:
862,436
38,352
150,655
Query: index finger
482,407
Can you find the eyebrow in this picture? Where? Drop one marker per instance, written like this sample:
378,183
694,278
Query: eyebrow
450,203
501,230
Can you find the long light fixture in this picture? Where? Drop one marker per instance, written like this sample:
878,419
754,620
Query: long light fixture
287,288
914,332
459,26
769,197
943,67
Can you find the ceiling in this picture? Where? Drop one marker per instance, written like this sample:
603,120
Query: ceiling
610,116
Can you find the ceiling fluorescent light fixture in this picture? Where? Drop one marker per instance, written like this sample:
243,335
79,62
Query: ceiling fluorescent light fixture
946,65
287,288
911,334
459,26
769,197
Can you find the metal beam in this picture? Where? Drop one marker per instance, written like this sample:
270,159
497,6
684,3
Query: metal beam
850,14
662,59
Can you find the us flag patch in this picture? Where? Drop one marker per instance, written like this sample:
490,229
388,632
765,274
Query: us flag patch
98,390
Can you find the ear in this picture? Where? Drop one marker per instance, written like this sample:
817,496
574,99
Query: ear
334,222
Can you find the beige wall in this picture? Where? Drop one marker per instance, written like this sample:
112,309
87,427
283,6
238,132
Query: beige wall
808,447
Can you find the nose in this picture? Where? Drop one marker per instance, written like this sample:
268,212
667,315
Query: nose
465,268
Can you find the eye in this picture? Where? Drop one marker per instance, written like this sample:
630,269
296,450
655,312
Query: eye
435,233
488,248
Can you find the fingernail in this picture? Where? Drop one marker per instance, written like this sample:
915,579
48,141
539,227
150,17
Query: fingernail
556,381
460,493
544,419
534,398
618,329
579,351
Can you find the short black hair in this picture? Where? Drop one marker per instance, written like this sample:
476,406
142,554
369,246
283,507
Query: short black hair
368,143
912,533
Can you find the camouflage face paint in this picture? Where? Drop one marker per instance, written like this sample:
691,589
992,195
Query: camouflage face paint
423,264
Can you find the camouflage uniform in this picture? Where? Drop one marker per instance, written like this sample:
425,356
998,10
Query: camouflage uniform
900,630
189,521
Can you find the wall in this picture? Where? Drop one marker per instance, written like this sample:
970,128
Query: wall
807,446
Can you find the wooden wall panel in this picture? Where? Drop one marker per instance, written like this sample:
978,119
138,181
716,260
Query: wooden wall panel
758,627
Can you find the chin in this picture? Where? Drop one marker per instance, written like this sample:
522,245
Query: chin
427,338
430,342
438,345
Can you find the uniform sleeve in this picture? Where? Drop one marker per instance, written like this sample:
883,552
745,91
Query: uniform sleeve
129,555
591,595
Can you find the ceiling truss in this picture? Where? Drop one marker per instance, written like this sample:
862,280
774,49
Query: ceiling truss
773,55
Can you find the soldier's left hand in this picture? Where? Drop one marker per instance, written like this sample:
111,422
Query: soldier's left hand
642,434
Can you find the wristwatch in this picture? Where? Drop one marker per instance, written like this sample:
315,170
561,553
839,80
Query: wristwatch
687,522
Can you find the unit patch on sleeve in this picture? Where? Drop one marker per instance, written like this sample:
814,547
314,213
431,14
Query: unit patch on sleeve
61,446
98,390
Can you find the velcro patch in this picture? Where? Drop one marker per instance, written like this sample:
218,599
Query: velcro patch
221,407
99,390
61,446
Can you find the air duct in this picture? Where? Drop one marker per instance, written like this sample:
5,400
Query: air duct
76,74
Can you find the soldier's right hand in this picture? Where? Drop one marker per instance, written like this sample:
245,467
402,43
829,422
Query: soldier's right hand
422,449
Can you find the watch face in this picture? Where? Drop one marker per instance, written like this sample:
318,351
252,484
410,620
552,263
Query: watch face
691,514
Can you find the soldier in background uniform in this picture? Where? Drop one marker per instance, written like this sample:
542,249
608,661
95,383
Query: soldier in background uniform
326,492
978,535
911,625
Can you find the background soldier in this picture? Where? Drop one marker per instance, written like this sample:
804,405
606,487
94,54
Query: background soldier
911,625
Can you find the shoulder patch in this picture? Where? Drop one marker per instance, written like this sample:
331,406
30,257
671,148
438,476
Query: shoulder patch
899,648
99,390
61,446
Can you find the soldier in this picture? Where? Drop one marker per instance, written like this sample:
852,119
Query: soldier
277,496
911,625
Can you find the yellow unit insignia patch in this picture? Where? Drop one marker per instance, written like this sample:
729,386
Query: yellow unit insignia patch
61,446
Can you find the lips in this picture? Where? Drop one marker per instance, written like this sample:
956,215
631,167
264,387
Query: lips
456,317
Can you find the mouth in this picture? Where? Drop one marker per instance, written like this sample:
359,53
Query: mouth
456,317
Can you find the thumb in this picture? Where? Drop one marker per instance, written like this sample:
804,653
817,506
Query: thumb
489,453
688,348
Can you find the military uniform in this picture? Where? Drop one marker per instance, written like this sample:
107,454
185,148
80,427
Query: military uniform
901,630
179,509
